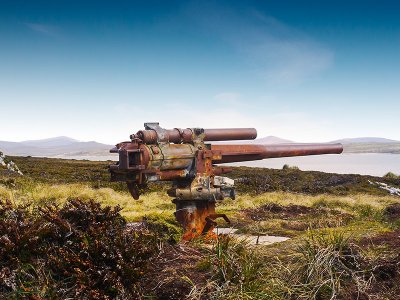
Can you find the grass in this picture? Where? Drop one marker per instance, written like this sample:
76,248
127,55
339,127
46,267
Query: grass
324,264
355,211
324,214
154,203
157,205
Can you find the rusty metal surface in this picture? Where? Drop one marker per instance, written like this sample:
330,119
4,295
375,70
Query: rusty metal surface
177,135
230,134
183,157
197,217
238,153
170,156
192,214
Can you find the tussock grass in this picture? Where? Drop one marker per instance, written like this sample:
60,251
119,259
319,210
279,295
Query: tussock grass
356,212
346,203
151,204
323,266
237,270
158,204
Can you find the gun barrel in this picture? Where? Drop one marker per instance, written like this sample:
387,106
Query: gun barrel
177,135
238,153
229,134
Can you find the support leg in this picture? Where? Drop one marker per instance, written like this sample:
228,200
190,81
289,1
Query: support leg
196,217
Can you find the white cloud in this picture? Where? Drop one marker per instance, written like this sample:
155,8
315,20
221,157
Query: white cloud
42,29
277,51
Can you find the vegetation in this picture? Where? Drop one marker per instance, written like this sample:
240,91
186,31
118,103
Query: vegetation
66,232
391,175
79,250
393,148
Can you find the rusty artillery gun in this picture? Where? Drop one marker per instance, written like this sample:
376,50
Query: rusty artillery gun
183,157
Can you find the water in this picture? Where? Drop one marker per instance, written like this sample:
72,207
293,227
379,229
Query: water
376,164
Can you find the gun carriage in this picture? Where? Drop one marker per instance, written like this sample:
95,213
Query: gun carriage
185,157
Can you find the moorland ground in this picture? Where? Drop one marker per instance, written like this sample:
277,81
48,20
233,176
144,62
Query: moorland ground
344,237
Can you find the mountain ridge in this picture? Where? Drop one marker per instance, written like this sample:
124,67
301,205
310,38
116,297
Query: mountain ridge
365,140
62,146
67,147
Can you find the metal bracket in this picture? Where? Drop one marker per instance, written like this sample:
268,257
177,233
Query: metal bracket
161,132
210,223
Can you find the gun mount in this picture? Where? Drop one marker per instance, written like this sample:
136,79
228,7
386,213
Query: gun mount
183,157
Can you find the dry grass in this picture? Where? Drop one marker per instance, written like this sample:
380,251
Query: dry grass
154,203
345,203
158,203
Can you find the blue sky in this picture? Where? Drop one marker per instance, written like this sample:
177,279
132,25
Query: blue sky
97,70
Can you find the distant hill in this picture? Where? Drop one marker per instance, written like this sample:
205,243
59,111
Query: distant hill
271,140
66,147
51,142
370,145
367,140
55,147
393,148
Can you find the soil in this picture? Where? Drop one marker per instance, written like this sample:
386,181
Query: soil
386,268
285,212
389,239
392,212
173,273
294,218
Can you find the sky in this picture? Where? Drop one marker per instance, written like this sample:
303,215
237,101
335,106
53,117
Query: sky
308,71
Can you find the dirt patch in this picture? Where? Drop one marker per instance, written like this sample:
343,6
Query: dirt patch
389,239
292,211
386,267
278,211
173,274
392,212
277,219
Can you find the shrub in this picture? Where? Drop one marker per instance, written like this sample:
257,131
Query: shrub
287,167
391,175
79,251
